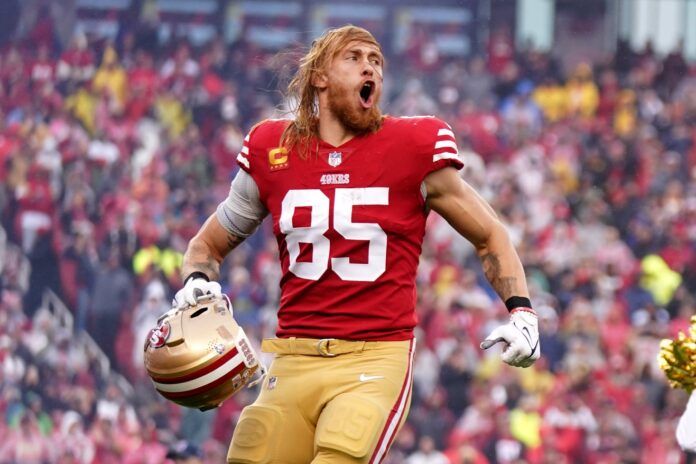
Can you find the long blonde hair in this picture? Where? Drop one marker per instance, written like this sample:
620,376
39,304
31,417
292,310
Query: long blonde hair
306,123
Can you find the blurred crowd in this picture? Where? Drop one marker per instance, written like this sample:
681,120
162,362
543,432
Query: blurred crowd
112,155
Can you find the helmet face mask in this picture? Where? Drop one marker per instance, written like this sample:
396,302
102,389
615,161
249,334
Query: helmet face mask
199,356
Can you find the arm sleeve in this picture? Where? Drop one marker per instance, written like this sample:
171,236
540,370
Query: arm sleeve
686,429
242,211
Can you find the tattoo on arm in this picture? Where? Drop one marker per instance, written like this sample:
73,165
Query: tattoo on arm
199,259
233,241
205,258
504,286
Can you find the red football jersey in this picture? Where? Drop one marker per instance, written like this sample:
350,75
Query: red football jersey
349,221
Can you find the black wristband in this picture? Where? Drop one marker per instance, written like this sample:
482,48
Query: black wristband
517,302
196,275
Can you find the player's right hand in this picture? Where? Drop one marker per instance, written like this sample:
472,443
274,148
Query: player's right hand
194,289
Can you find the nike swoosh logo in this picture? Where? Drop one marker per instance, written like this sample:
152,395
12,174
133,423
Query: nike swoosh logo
366,378
528,336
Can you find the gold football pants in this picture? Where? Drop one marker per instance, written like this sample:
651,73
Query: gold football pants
326,402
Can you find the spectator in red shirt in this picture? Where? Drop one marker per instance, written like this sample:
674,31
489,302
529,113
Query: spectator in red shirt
143,83
501,50
76,64
42,69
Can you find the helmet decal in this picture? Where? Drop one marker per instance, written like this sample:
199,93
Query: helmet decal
247,351
159,335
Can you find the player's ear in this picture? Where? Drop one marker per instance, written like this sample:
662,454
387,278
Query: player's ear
320,80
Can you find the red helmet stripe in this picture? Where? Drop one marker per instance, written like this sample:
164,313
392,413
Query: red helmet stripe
200,372
204,388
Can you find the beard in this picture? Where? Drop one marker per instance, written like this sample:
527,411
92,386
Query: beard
356,119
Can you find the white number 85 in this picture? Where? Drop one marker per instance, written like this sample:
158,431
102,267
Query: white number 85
344,199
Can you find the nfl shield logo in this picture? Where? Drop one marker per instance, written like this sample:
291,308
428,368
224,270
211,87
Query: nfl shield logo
335,158
271,383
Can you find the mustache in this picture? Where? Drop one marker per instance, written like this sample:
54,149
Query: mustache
356,119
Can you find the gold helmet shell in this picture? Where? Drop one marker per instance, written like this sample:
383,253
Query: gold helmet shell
199,356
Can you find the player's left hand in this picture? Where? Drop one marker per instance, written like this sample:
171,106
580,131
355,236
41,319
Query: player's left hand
521,338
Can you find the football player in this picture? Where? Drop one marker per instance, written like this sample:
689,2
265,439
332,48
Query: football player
677,358
348,190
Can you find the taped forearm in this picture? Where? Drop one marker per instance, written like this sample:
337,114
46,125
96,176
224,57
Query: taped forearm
242,211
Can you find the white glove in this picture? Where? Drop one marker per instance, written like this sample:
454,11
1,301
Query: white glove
521,338
194,289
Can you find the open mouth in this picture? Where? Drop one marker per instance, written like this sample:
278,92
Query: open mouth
366,93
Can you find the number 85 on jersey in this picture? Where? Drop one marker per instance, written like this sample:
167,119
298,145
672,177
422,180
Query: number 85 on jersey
344,200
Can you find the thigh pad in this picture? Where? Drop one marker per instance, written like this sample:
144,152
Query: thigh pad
254,435
350,423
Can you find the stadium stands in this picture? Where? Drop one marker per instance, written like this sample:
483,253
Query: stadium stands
111,156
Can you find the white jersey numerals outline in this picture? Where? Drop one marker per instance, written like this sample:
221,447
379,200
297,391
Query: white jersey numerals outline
344,200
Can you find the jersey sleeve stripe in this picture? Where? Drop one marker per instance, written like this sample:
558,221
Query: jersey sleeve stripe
242,159
245,150
246,139
446,144
447,132
445,155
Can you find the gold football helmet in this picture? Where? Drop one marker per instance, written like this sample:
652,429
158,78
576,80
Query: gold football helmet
199,356
677,358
